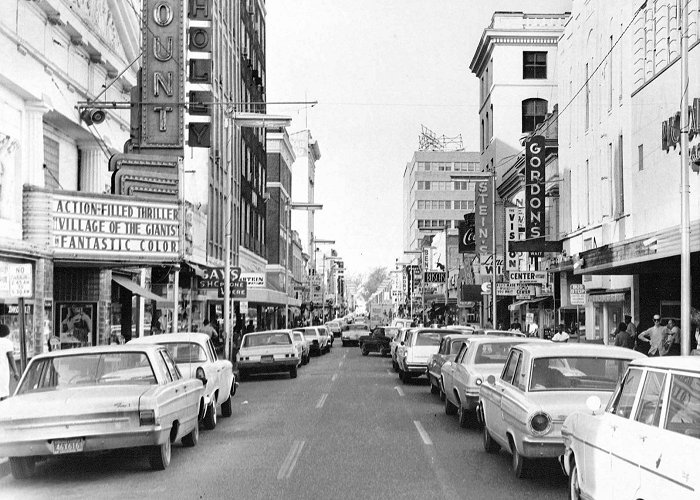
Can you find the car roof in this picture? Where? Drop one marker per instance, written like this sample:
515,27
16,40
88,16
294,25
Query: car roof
496,339
171,337
568,349
103,349
690,363
268,332
457,336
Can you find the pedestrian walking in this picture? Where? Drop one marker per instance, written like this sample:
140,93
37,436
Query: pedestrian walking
561,335
7,362
208,329
631,328
673,339
656,336
250,328
622,337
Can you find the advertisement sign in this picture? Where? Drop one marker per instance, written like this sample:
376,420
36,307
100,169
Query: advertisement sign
214,277
486,266
529,277
434,276
466,234
114,228
506,289
524,292
534,187
238,289
254,280
16,280
162,85
515,231
483,224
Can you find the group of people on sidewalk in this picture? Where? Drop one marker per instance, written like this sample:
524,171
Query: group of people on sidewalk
657,340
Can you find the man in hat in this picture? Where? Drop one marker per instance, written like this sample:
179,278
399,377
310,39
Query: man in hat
656,335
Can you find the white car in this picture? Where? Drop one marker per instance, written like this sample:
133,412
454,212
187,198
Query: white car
318,344
268,351
420,345
324,330
352,333
396,346
302,345
645,442
191,351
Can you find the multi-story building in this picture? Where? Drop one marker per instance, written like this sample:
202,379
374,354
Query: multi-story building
438,190
619,164
516,64
307,153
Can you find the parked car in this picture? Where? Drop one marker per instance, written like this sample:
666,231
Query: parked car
317,342
540,385
420,344
266,352
396,346
100,398
353,333
192,351
335,326
450,345
323,330
467,330
645,442
302,345
479,357
378,340
402,322
502,333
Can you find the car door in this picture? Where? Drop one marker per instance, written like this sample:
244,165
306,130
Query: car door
513,395
222,380
178,397
458,373
494,396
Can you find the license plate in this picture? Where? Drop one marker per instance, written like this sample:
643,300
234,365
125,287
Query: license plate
268,357
61,446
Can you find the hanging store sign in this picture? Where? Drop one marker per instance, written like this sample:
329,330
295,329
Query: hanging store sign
671,132
162,84
434,276
466,234
16,280
254,280
534,187
515,231
214,277
533,277
103,227
483,223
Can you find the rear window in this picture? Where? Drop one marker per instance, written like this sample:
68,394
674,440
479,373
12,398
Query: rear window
577,373
358,327
186,352
428,339
495,353
265,339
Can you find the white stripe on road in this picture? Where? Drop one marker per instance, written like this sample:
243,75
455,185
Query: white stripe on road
340,364
288,466
335,376
322,400
424,435
399,390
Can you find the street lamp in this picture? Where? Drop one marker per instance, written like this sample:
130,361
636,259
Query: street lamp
239,120
288,207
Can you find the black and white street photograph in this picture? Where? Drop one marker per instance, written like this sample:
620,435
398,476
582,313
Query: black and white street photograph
350,249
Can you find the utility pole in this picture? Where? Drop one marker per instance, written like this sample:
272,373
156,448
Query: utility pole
685,187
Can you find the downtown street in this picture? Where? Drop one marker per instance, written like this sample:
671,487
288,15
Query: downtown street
345,428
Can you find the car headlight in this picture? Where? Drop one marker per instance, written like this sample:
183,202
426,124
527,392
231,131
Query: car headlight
540,423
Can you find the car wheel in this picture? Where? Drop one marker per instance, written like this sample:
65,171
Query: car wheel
520,463
441,392
402,376
450,409
365,352
192,438
226,407
242,375
490,446
574,483
22,467
344,343
210,417
293,372
465,417
159,456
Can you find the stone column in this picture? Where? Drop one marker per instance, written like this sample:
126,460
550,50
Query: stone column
33,144
93,167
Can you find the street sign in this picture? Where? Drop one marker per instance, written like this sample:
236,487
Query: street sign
528,277
506,289
577,295
434,276
214,277
16,280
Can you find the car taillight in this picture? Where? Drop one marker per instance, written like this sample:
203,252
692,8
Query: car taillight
540,423
147,417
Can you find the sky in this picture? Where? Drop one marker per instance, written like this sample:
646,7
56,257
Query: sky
379,69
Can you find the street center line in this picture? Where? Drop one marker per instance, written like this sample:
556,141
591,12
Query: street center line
335,376
424,435
294,460
340,364
322,400
289,462
399,390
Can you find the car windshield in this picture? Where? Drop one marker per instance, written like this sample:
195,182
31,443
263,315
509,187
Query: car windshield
456,345
63,372
577,373
429,338
265,339
186,352
310,333
495,353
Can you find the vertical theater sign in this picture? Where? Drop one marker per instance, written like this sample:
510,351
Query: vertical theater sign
534,187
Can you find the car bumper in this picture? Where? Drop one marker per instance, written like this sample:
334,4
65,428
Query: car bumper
415,368
543,448
471,402
277,365
97,442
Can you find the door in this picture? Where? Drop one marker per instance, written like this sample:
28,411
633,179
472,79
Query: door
492,408
182,398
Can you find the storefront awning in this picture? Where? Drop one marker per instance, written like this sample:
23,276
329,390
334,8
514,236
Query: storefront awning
125,282
270,297
516,305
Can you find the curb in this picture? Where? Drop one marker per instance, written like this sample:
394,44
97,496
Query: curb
4,467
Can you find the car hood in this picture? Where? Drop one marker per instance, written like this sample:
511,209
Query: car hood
561,404
74,401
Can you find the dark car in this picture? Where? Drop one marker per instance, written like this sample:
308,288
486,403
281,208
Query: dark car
378,340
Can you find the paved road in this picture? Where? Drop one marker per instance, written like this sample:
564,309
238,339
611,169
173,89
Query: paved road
345,428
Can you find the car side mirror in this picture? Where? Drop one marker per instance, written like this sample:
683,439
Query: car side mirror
593,403
491,380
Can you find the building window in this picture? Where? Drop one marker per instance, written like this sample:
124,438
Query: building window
534,112
51,155
640,156
424,185
534,65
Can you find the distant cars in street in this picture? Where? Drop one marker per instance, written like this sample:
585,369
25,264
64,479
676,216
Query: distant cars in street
267,352
100,398
317,342
351,335
379,340
447,351
302,345
420,344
